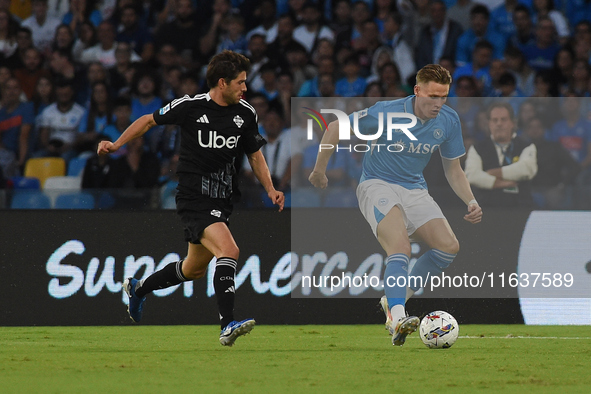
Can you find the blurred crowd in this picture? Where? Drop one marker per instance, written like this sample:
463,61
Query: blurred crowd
73,72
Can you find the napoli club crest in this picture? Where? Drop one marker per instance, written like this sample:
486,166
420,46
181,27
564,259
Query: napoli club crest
438,133
238,120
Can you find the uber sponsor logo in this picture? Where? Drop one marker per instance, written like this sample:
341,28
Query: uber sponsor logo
217,141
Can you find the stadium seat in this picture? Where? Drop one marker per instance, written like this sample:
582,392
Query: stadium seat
45,167
25,183
305,198
30,199
72,183
340,198
79,200
76,166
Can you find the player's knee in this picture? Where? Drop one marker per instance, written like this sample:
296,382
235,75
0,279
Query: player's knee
451,247
231,251
197,274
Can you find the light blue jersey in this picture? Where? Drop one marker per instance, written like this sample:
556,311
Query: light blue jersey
401,160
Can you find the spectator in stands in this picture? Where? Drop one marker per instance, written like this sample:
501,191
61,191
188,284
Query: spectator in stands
57,8
33,70
541,54
563,68
135,34
121,119
342,23
501,18
286,92
24,40
297,58
500,169
524,75
136,169
374,90
402,54
579,78
574,131
311,29
467,106
97,171
99,113
266,12
268,74
524,32
277,152
351,31
460,12
44,95
233,37
8,44
365,46
439,38
480,30
62,66
416,16
181,31
261,105
63,39
104,51
42,26
59,123
382,9
326,85
145,100
86,39
16,123
284,39
326,65
479,68
352,84
390,81
557,170
190,84
81,11
211,34
545,9
257,49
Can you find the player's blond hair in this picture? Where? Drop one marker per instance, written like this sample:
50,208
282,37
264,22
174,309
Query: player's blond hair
434,73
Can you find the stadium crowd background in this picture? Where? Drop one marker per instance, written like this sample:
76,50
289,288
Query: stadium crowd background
74,72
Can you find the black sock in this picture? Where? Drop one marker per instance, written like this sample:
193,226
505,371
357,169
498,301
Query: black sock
223,283
168,276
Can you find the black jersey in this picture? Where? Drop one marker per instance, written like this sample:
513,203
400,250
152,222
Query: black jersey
211,138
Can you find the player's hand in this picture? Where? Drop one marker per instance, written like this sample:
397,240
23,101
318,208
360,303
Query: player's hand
318,179
278,198
474,214
105,147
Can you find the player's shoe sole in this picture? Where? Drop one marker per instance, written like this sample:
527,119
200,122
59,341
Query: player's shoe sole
389,325
234,330
404,327
136,304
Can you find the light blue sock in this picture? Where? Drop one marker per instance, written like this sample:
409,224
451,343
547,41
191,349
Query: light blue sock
396,266
433,262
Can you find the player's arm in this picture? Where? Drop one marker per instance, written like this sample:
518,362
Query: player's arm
330,140
460,185
135,130
261,171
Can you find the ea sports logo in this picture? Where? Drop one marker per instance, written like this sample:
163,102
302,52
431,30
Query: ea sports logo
217,141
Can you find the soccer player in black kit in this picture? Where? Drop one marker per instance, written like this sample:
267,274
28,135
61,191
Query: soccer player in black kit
214,126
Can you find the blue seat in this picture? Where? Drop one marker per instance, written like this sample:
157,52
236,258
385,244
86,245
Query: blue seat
305,198
30,199
78,200
341,198
25,183
76,166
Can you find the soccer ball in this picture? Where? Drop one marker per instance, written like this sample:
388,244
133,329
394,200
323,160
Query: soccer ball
439,330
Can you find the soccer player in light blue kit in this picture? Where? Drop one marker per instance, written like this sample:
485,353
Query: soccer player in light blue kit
392,192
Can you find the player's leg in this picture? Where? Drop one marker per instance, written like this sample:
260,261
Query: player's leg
218,239
392,235
438,235
191,267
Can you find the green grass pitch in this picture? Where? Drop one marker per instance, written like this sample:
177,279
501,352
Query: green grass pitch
286,359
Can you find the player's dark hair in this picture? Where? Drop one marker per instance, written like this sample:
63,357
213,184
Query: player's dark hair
501,104
226,65
434,73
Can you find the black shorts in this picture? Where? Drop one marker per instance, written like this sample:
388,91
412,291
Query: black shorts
197,212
